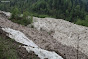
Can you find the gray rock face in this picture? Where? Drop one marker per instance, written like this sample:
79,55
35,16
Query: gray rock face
64,42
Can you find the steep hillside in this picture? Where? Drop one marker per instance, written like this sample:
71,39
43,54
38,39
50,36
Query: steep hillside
30,33
10,49
66,39
65,32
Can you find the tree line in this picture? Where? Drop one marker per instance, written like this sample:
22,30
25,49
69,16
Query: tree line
75,11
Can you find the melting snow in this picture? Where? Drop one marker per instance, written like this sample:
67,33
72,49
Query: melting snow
31,46
19,37
43,53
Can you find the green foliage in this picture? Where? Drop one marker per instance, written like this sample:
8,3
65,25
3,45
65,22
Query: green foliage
23,20
7,50
15,13
86,17
31,19
38,15
1,50
83,22
41,16
25,14
80,22
70,10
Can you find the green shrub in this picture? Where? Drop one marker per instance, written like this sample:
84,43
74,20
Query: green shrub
39,15
15,13
24,20
82,22
42,16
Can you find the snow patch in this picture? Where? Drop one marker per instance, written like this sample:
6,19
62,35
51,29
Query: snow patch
43,53
31,46
19,37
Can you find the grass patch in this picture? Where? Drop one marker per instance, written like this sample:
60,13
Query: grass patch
8,49
38,15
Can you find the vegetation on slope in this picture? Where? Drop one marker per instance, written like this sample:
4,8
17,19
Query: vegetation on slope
72,10
19,18
9,49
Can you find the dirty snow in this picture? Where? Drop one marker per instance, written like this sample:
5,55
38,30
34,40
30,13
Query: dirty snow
19,37
43,53
31,46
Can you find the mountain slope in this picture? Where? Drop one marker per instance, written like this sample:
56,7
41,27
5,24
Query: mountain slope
65,32
46,41
9,49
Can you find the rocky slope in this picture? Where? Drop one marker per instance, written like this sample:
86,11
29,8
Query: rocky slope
60,36
66,33
30,45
